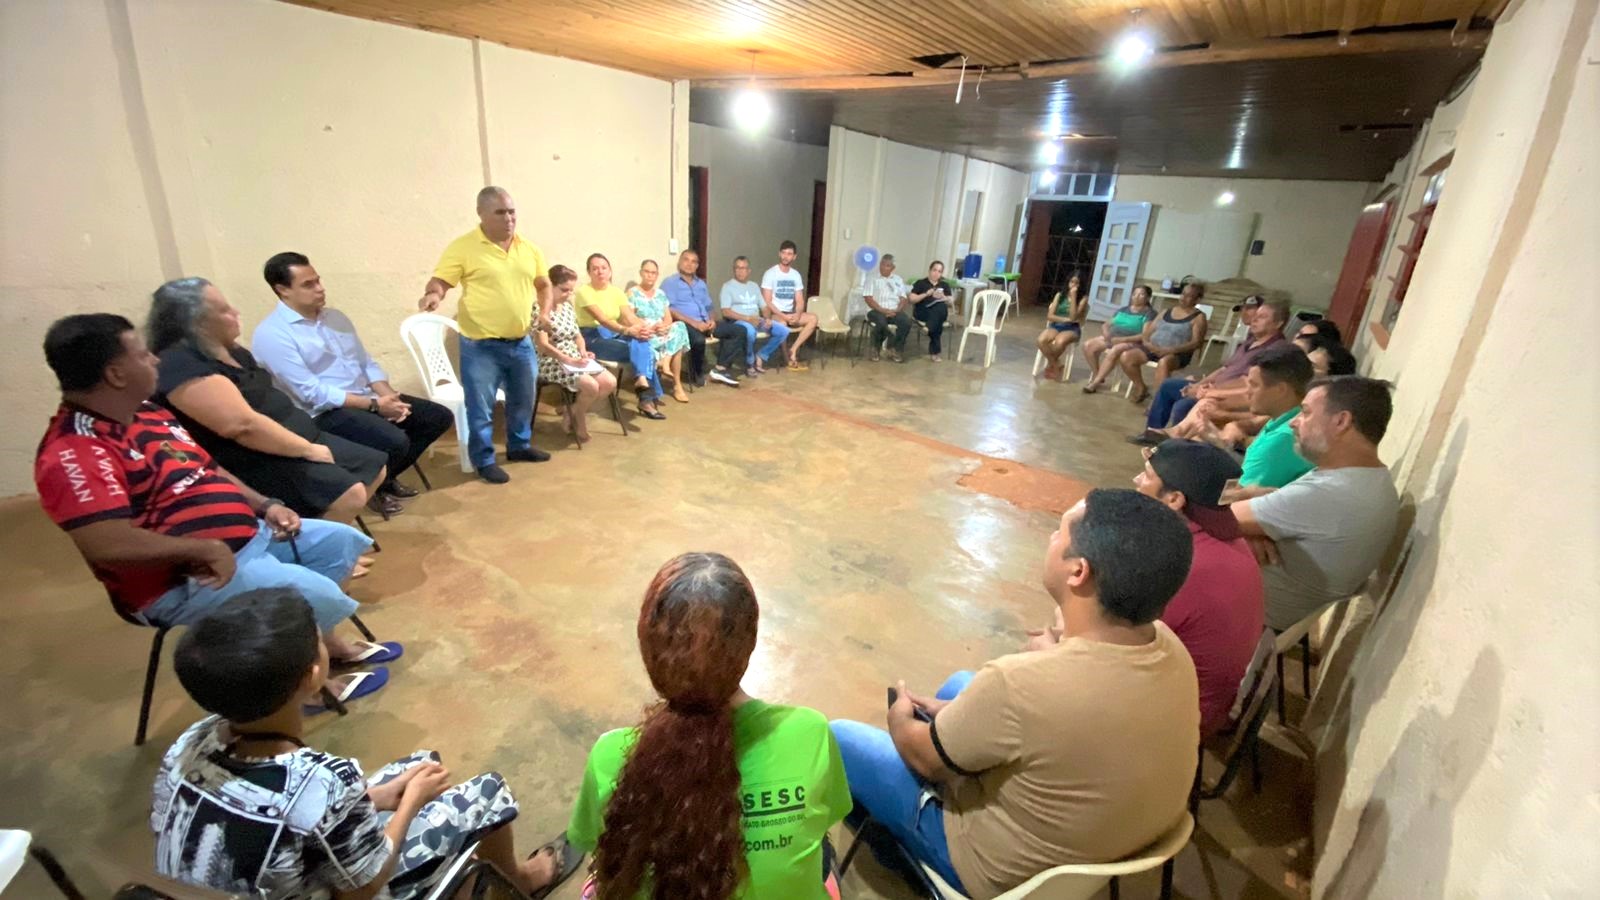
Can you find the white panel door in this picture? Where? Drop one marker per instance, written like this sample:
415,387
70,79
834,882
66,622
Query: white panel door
1121,247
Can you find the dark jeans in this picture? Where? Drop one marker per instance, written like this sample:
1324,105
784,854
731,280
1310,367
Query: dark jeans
880,328
933,314
403,441
1169,405
730,347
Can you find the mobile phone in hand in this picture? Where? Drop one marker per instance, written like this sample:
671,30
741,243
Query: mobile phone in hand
917,712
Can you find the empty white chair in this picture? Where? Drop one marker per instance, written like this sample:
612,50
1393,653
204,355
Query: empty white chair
989,314
424,335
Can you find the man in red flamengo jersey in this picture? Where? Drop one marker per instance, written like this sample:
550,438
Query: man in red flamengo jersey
169,533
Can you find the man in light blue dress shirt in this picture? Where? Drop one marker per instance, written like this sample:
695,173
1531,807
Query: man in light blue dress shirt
690,304
316,358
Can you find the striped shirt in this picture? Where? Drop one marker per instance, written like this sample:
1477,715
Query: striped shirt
90,469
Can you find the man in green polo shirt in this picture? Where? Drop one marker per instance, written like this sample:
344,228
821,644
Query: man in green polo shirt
1274,386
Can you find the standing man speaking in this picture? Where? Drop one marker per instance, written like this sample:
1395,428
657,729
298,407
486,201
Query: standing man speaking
503,287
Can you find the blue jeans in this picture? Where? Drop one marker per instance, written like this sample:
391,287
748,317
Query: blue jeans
328,551
612,347
893,795
777,334
487,366
1169,405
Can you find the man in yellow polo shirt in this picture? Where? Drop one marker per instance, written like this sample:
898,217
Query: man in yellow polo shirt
503,287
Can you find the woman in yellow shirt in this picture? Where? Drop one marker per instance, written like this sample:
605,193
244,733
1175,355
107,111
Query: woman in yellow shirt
613,333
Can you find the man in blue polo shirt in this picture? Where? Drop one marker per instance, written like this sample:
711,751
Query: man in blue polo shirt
690,303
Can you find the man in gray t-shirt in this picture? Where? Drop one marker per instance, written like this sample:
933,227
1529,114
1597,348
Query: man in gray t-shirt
1319,537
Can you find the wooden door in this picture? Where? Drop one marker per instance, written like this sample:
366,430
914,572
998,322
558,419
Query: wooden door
1354,287
699,215
1035,247
1121,249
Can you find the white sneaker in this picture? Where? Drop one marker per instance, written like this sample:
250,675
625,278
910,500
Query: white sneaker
723,377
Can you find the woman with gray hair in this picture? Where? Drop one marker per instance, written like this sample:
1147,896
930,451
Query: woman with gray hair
239,416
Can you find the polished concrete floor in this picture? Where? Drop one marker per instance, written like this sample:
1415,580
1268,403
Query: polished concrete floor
892,518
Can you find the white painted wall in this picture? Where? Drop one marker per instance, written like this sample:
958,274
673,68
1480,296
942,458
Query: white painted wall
1460,756
147,139
761,191
906,200
1306,226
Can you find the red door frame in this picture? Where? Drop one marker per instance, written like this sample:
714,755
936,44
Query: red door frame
1354,288
819,205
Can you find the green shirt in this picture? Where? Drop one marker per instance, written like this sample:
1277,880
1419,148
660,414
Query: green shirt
791,783
1271,460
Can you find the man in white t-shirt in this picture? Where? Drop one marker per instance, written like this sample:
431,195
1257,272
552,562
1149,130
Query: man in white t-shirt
742,302
1320,536
886,305
785,293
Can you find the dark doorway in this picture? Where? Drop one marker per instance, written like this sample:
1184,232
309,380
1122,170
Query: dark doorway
819,205
1063,237
699,212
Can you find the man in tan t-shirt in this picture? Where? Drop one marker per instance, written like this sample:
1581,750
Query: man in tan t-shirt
1077,751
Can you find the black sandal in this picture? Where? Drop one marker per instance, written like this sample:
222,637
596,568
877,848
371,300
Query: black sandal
570,858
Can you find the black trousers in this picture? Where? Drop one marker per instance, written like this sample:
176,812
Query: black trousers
403,441
933,313
730,347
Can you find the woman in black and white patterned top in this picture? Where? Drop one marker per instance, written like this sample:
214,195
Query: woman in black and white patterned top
565,347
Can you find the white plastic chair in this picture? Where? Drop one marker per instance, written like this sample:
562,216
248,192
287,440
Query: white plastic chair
424,335
16,847
1080,882
829,324
1220,333
989,314
1066,371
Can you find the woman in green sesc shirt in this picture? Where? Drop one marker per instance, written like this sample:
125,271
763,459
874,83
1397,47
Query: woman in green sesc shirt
716,795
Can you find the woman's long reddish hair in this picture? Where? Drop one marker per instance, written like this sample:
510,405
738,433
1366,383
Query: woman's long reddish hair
675,820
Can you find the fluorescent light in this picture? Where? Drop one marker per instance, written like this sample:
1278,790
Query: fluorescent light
1048,179
1077,229
1225,198
751,110
1132,50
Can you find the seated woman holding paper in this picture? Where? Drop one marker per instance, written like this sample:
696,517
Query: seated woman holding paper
565,360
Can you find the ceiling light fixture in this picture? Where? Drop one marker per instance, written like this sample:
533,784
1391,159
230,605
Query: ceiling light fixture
751,108
1133,48
1048,179
1225,198
1050,153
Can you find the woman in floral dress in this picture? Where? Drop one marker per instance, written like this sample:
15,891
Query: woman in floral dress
565,345
672,338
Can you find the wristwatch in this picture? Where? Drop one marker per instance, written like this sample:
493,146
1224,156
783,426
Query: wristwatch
372,404
268,503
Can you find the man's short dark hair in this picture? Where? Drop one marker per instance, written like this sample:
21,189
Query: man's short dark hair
1326,328
276,271
1286,365
1367,400
741,259
1138,551
788,245
244,661
78,348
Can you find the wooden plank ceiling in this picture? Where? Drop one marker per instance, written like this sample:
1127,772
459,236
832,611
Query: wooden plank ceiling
1251,88
701,39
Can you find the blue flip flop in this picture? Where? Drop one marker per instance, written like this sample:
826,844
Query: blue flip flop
374,654
361,684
